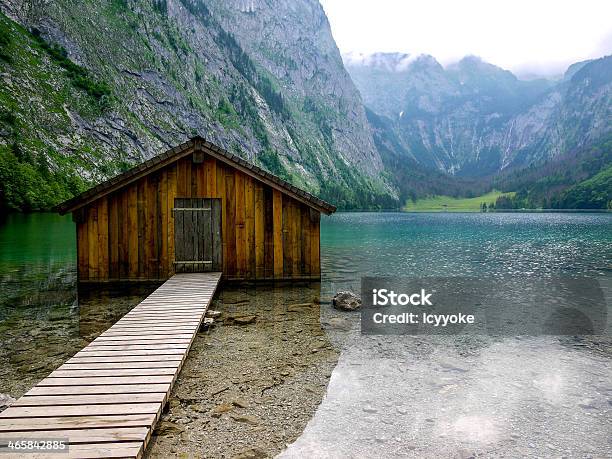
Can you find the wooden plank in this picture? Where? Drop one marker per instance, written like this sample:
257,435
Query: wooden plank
162,314
52,400
240,242
91,451
268,234
156,338
105,450
99,389
277,213
83,249
133,347
132,235
315,259
105,380
76,410
305,240
295,239
229,237
84,435
143,243
92,238
166,315
78,365
200,171
222,196
138,344
72,422
160,321
123,358
171,172
163,225
188,164
150,228
113,236
187,237
148,352
179,234
181,178
287,242
157,318
210,173
259,231
124,251
155,328
69,373
249,226
206,226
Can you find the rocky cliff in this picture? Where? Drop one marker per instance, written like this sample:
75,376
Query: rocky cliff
92,87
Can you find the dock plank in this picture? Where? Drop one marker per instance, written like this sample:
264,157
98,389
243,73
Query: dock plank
107,398
59,423
100,389
54,400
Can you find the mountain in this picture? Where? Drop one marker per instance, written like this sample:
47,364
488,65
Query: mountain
475,119
91,88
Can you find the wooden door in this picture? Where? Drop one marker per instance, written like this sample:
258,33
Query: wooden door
197,235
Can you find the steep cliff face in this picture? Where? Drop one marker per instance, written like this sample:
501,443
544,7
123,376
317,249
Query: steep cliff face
473,118
293,41
263,79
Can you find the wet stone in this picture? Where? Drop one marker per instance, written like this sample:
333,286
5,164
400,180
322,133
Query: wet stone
346,301
168,428
245,418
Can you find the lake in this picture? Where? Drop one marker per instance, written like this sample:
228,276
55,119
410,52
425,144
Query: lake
387,395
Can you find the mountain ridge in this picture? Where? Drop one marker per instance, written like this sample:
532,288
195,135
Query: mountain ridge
475,119
174,69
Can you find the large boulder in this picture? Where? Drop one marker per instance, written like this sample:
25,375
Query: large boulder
346,301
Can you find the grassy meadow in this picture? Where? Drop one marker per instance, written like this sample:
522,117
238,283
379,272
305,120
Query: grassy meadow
451,204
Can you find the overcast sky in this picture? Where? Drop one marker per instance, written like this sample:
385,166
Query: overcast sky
525,36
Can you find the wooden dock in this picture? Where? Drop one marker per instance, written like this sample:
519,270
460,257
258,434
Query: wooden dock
106,399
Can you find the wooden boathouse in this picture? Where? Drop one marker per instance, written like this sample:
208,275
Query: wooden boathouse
196,208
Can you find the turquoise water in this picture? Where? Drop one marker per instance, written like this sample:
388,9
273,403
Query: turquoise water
463,396
41,322
40,315
464,244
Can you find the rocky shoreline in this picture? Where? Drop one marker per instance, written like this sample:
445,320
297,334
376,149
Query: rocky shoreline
253,381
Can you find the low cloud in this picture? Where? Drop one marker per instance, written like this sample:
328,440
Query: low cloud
396,62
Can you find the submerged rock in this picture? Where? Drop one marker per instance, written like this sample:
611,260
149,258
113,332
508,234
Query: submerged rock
5,401
213,314
252,453
240,403
245,418
223,408
231,319
165,428
346,301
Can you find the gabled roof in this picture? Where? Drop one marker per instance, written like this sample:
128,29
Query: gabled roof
168,157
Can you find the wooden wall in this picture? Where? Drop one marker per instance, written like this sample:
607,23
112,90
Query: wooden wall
129,234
